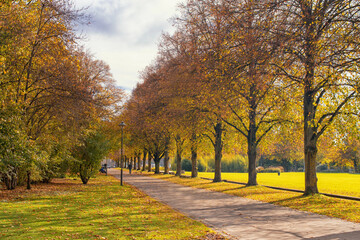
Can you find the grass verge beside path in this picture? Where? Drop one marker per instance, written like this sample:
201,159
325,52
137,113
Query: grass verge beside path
103,209
333,207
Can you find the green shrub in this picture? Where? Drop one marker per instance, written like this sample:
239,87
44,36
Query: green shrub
88,153
17,152
201,166
229,163
173,165
233,165
186,165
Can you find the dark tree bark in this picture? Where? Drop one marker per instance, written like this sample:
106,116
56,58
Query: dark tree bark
166,162
157,163
132,162
28,180
179,150
139,161
194,166
178,164
10,178
84,179
218,151
252,141
356,167
149,162
310,138
144,161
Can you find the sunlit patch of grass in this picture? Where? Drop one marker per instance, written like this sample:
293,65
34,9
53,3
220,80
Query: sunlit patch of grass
101,210
333,207
334,183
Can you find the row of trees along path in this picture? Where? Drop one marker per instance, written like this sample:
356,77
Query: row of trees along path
259,69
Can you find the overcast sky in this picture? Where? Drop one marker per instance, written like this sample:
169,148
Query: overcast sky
125,34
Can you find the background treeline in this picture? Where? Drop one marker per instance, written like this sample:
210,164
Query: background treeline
262,79
57,102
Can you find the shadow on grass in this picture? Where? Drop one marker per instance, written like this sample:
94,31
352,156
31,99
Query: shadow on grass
282,201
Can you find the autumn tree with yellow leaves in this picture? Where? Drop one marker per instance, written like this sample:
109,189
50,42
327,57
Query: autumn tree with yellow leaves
58,88
320,59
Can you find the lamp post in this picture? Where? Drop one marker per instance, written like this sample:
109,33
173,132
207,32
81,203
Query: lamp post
122,124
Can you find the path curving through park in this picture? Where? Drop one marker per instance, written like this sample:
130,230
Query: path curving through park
240,218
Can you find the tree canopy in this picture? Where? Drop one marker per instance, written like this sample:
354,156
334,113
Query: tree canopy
52,90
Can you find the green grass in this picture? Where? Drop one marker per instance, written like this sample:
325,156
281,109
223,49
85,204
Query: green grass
334,183
333,207
101,210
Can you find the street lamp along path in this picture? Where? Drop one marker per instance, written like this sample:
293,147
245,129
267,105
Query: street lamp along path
122,124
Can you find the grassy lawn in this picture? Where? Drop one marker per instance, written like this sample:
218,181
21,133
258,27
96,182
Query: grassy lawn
66,209
339,208
335,183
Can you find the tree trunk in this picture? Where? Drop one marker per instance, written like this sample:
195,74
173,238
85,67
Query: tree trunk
166,162
28,180
194,166
84,179
356,168
251,141
310,170
310,128
218,151
179,149
310,132
10,178
310,150
14,180
144,161
139,162
252,175
149,162
157,164
310,143
178,164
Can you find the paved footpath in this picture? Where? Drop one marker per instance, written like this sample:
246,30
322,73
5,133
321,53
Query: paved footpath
241,218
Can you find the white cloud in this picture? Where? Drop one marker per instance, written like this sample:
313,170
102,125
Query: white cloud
125,33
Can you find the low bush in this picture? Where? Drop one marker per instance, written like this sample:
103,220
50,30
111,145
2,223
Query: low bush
260,169
186,165
201,166
229,163
278,170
